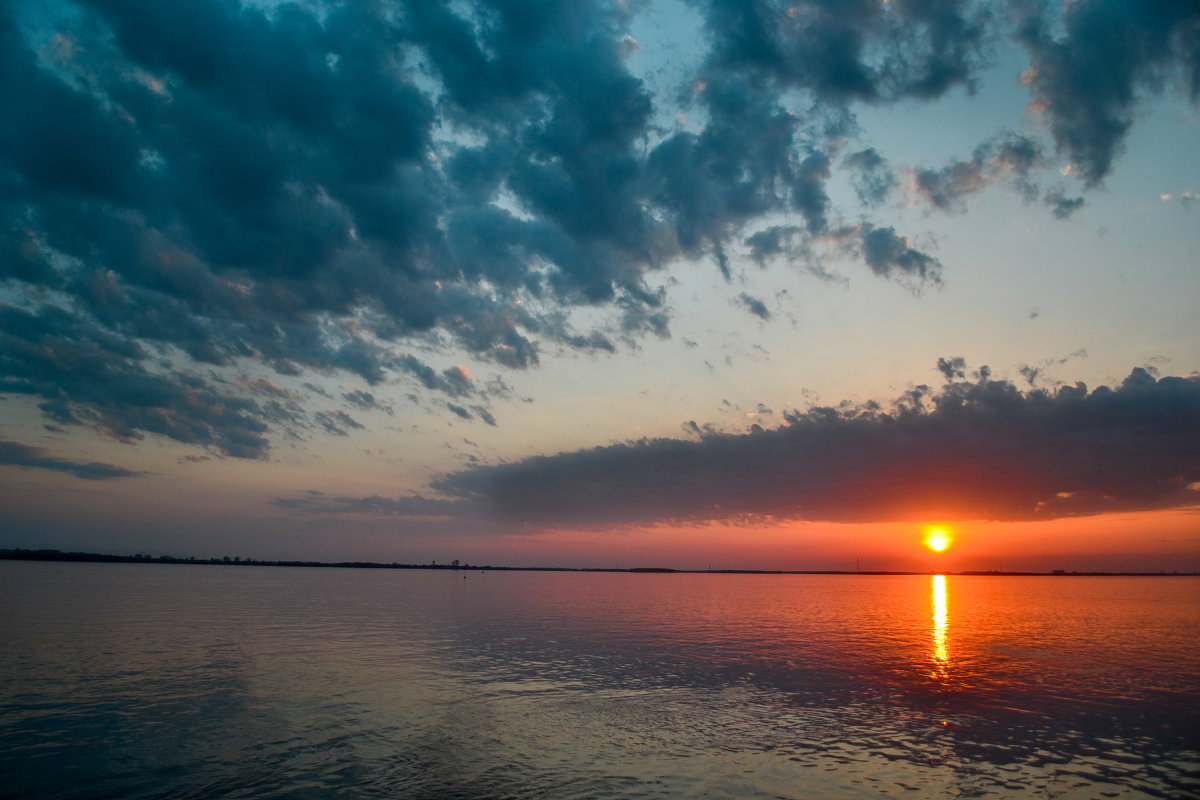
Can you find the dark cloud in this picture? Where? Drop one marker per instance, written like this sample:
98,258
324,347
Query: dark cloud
27,457
712,183
337,423
857,50
366,401
1062,206
316,502
452,381
952,368
1006,156
1034,373
90,376
1090,62
754,306
808,191
871,177
972,450
193,195
268,388
458,380
886,253
459,411
772,242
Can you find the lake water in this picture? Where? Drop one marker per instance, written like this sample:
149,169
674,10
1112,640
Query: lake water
143,681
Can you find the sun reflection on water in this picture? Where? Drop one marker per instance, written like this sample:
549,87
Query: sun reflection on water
941,659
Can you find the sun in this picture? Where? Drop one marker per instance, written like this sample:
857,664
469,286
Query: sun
938,538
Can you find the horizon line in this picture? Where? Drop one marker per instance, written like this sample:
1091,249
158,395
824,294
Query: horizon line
50,554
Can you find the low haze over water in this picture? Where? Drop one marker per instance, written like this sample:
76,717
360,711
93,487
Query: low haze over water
193,681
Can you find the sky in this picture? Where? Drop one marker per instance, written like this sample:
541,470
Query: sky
712,284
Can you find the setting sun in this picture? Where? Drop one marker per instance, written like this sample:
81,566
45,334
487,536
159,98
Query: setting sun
937,538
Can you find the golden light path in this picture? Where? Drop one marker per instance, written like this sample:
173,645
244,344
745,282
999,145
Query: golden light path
941,657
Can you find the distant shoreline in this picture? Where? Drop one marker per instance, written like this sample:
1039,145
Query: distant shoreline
21,554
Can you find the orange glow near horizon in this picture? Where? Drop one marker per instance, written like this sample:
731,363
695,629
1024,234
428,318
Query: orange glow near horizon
1151,541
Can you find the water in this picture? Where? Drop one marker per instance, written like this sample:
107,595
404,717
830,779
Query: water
145,681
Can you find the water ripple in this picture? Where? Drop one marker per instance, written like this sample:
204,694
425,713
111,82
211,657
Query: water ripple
155,682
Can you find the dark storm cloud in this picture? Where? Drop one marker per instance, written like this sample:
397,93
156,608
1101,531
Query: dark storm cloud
27,457
1088,79
979,449
191,194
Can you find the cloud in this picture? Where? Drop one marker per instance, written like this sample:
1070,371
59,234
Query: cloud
316,502
754,306
1088,79
952,368
1185,198
193,197
886,253
459,411
774,241
366,401
1062,206
978,449
871,177
28,457
338,423
1007,155
850,51
88,375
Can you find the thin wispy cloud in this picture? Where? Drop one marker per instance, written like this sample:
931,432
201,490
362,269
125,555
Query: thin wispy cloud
29,457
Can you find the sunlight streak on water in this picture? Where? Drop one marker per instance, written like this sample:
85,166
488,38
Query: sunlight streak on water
941,658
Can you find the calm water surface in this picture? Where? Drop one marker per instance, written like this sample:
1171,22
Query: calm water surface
143,681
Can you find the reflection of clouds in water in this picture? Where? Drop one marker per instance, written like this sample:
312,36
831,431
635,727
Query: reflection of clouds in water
420,684
941,659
